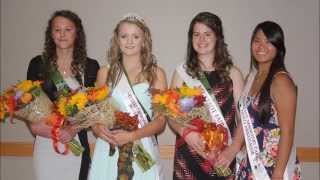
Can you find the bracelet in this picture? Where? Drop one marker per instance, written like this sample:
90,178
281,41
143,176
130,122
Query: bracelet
187,131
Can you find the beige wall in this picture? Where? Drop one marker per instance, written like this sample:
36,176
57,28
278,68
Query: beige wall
22,33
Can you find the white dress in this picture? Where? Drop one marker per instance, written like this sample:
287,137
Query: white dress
49,165
104,167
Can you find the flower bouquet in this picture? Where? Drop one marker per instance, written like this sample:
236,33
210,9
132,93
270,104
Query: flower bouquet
25,100
130,151
185,106
87,107
82,108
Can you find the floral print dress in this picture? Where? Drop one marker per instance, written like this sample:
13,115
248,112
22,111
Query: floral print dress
268,136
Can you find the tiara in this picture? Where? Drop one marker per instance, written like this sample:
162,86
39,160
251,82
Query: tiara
133,17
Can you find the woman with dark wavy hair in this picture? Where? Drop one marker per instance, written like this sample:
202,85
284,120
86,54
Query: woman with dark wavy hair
64,65
208,63
267,109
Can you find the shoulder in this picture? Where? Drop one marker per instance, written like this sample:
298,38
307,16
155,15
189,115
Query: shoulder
103,70
102,75
235,71
91,62
176,80
283,84
37,60
282,80
160,71
236,74
36,63
161,78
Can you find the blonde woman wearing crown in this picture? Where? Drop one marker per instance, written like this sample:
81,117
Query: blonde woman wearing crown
132,71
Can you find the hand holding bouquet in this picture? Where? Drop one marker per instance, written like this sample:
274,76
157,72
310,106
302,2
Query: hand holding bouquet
26,100
185,106
79,109
130,151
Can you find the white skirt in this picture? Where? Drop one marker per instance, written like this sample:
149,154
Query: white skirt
49,165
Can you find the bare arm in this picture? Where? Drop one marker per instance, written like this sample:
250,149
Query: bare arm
99,129
226,156
238,85
284,96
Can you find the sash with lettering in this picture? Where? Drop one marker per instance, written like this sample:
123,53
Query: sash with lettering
133,108
258,169
210,101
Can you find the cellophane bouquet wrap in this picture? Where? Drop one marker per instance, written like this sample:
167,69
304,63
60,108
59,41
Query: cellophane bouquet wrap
25,100
82,108
185,106
88,107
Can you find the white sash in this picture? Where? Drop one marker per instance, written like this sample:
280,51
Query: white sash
133,108
252,145
210,102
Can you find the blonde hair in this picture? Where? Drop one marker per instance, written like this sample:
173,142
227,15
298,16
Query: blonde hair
148,60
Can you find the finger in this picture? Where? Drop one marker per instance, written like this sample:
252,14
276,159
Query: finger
108,139
117,131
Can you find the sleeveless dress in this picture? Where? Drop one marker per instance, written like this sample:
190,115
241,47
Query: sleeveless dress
104,167
268,136
188,165
44,155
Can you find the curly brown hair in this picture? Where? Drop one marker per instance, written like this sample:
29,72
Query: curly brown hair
222,59
148,60
79,51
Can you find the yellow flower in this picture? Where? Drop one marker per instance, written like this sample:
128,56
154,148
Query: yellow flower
61,105
2,108
160,99
25,86
187,91
37,83
79,99
275,132
102,93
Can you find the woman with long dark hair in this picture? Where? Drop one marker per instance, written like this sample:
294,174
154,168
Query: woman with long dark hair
268,109
63,65
207,60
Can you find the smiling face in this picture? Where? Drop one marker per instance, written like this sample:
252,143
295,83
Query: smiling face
203,39
130,39
63,33
262,50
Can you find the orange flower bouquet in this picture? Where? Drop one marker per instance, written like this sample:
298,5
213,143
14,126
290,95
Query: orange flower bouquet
25,100
87,107
82,108
185,105
181,104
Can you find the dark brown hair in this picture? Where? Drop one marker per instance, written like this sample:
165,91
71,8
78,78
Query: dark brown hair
222,59
79,52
